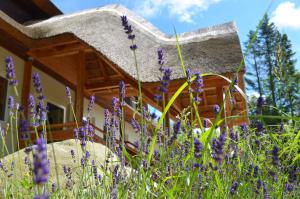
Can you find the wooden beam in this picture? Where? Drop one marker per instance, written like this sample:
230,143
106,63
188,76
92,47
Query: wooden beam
26,84
80,85
59,51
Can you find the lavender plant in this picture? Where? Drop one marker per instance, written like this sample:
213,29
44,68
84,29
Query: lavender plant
250,161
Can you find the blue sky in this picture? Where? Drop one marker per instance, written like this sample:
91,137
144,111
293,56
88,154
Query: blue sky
188,15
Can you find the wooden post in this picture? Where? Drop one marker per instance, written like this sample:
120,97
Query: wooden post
26,84
80,85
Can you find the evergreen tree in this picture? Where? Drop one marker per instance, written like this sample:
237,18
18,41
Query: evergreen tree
269,37
287,75
271,70
254,69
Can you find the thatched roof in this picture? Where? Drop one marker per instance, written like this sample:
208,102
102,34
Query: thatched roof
214,49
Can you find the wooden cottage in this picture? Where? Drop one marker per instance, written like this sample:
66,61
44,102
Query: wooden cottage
89,52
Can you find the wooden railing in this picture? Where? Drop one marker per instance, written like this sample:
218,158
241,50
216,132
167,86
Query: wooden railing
61,132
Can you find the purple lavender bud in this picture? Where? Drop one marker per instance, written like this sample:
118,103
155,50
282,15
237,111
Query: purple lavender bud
233,188
40,162
198,146
31,103
199,83
257,142
158,97
244,128
153,116
87,155
136,144
259,128
133,47
218,146
177,127
288,187
255,172
75,133
11,103
65,169
275,158
205,123
37,83
124,20
131,37
28,149
135,125
188,75
91,103
161,55
24,127
216,109
122,90
115,104
10,71
43,116
68,92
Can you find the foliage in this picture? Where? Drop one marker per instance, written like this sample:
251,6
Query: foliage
215,161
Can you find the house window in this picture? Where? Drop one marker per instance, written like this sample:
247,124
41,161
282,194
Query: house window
56,114
3,91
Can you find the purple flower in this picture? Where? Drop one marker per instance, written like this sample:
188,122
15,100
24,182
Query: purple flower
199,83
75,133
275,158
255,172
68,92
11,103
10,71
233,188
135,125
188,75
24,129
216,109
122,90
37,83
40,162
158,97
128,30
153,116
161,56
91,103
82,136
165,80
205,123
177,127
133,47
259,128
218,146
115,102
198,146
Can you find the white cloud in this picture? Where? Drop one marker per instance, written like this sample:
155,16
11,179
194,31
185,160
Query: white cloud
287,15
185,10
